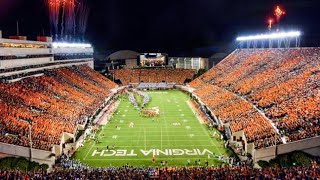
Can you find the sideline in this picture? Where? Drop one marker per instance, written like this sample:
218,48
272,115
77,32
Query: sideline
200,119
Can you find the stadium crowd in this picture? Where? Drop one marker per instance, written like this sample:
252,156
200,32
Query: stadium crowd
156,75
283,83
231,109
174,173
65,162
53,103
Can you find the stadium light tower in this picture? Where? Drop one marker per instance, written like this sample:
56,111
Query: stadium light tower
280,37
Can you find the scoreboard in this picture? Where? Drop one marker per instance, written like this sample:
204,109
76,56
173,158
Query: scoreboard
153,59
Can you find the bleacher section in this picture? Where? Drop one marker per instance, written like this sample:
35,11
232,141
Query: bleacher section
55,102
282,84
168,75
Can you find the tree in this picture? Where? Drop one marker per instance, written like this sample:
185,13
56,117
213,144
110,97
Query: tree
199,73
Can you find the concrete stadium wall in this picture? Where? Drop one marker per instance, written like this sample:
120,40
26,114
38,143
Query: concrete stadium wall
250,148
24,51
4,64
70,50
310,146
185,88
91,64
264,154
39,156
6,74
57,149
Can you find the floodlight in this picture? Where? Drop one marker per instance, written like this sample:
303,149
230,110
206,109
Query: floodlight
278,35
70,45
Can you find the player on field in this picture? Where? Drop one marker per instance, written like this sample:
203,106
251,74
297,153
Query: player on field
153,159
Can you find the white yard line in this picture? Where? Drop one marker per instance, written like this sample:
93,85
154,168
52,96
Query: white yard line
89,151
204,130
167,131
213,144
98,135
195,114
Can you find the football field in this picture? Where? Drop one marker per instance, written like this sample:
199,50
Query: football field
175,136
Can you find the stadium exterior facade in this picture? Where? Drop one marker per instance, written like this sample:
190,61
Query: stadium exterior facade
17,52
189,62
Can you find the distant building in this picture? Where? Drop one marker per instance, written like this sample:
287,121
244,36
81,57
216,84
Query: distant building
189,62
123,59
127,59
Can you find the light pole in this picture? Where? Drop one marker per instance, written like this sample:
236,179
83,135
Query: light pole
12,135
30,141
29,122
16,137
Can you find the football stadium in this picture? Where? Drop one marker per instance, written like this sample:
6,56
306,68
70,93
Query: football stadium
253,113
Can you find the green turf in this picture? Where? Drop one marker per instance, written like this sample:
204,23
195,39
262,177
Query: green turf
153,133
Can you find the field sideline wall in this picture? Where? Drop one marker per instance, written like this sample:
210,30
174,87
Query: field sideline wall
40,156
310,146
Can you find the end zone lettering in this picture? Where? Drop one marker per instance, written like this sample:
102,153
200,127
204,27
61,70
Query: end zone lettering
157,152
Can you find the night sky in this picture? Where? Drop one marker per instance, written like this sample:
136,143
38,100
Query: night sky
172,26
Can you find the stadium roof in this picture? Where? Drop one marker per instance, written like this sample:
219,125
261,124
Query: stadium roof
123,54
